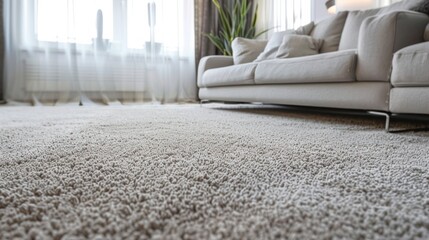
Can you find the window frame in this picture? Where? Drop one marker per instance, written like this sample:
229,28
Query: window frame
119,41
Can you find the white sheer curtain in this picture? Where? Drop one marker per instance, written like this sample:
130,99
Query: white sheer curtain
279,15
85,51
383,3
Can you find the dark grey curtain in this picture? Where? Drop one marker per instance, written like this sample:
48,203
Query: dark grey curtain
2,52
205,22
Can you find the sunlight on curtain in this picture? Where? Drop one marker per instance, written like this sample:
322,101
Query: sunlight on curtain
383,3
280,15
100,51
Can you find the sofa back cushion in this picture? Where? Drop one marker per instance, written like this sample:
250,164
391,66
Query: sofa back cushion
412,5
381,36
350,35
423,7
330,31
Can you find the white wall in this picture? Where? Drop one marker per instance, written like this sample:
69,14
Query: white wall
319,11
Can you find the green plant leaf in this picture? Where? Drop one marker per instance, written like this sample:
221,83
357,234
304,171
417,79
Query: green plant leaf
224,16
233,23
255,16
217,41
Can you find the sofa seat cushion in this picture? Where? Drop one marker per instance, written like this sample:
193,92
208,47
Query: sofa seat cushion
242,74
411,66
322,68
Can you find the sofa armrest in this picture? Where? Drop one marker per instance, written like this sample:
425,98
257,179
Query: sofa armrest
210,62
381,36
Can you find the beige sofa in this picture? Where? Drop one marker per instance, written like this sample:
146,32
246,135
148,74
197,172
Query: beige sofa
353,72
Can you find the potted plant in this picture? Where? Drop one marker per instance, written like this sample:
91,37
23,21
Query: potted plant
233,22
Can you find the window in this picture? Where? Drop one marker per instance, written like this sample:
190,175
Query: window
140,47
72,21
291,14
130,24
145,23
280,15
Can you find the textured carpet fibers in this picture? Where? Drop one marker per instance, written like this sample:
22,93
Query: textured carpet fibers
212,172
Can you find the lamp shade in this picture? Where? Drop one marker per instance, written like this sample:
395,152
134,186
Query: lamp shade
347,5
330,5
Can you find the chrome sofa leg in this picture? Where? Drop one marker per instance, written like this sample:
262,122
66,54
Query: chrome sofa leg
384,114
203,101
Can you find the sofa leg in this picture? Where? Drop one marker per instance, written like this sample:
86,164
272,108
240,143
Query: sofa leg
386,115
203,101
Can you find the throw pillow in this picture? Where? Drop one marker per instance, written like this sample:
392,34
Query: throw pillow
276,39
298,46
246,50
273,45
306,29
330,31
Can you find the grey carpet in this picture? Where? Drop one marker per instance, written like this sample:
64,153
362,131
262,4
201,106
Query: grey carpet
208,173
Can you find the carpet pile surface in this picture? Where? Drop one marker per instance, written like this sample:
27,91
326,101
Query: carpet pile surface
211,172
